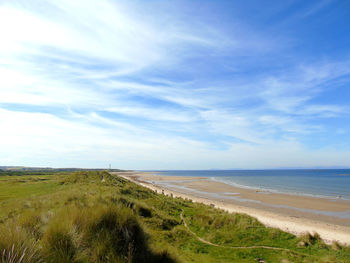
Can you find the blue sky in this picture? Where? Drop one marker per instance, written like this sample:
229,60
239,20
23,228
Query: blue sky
175,84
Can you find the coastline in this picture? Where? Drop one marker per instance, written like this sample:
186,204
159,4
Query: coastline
284,211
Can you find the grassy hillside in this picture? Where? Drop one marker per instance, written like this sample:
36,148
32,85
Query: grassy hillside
97,217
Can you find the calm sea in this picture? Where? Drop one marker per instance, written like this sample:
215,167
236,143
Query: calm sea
323,183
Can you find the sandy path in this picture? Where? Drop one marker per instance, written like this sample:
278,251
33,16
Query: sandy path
233,247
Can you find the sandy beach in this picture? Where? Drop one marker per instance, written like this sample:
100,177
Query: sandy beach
330,218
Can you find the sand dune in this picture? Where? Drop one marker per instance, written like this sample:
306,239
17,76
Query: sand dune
294,214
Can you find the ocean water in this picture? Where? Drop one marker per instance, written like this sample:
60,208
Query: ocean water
330,183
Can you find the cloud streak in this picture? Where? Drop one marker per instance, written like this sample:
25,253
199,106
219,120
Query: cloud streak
88,83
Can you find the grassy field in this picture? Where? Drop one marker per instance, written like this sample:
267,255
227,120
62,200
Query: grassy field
97,217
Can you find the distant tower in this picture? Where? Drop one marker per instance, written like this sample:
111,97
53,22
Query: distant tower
109,166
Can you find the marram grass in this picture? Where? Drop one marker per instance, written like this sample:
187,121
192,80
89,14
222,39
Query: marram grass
98,217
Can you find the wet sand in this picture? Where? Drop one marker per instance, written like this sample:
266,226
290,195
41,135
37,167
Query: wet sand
330,218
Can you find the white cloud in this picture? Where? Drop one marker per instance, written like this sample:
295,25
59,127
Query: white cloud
92,64
44,139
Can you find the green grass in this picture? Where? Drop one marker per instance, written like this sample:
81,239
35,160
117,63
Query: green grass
19,187
97,217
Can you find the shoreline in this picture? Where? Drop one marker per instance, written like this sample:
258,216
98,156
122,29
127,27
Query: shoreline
297,222
274,191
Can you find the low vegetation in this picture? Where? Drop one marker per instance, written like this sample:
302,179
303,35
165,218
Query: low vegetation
93,216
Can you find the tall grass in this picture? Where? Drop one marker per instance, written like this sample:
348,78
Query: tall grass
98,234
98,217
16,246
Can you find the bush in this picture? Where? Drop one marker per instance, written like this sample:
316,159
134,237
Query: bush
310,239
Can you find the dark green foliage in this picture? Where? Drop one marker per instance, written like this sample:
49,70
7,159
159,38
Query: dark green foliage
23,171
144,211
126,191
310,239
169,223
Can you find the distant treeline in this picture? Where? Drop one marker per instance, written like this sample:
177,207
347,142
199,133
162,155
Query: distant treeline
17,170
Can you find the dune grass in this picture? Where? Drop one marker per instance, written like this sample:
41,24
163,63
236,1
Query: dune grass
98,217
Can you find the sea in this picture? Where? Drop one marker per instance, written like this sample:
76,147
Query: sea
327,183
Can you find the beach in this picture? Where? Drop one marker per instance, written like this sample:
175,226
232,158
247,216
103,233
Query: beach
329,217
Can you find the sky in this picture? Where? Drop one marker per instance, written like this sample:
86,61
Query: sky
175,84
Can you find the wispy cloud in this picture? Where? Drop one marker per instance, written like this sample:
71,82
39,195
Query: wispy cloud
86,83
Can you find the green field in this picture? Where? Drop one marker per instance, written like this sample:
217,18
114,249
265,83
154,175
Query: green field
92,216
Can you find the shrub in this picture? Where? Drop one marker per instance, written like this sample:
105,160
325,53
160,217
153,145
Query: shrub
126,191
168,223
310,239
